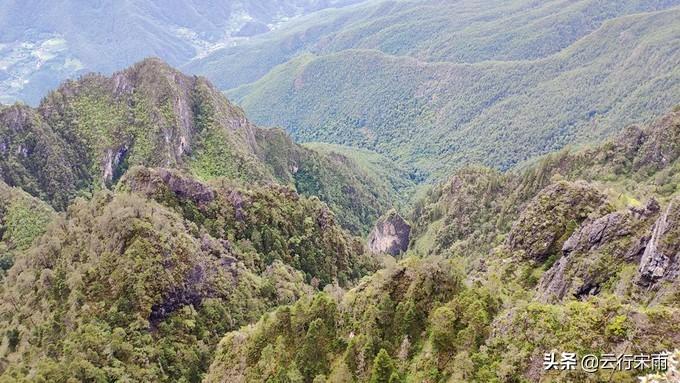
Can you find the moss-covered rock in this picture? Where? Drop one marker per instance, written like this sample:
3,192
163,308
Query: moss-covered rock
552,216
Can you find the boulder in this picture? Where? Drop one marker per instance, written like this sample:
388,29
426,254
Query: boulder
391,235
592,235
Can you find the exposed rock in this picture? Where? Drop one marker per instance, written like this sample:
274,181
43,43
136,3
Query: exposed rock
390,235
111,164
660,259
635,252
236,199
192,292
154,182
553,283
543,225
592,235
652,207
200,281
185,187
596,251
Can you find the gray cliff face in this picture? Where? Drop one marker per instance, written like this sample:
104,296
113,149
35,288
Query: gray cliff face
162,183
391,235
542,227
597,251
660,260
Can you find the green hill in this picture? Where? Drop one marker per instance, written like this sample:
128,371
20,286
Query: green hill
22,220
559,255
430,30
140,284
441,115
86,134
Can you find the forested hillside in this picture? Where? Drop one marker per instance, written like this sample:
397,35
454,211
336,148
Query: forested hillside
442,115
86,134
576,252
22,219
429,30
184,243
139,284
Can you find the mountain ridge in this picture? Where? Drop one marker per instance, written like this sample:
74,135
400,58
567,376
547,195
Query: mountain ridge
554,256
92,130
460,107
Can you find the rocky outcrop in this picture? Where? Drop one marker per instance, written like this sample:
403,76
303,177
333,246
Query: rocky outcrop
390,235
164,183
595,233
574,272
546,222
598,250
661,258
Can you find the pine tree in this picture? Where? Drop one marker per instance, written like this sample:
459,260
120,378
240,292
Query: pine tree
383,368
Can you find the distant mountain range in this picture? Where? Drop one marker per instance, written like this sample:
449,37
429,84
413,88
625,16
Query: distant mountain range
418,84
431,85
42,43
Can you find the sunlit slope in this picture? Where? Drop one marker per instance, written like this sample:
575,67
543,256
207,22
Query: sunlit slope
441,115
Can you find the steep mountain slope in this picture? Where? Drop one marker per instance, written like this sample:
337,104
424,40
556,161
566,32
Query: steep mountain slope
418,322
179,222
22,219
140,284
466,213
404,179
429,30
557,256
443,115
44,43
87,133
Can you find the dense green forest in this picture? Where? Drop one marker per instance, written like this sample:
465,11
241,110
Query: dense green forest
87,133
149,232
339,191
502,268
439,115
465,31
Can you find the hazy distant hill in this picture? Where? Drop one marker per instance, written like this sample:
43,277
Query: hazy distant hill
442,114
429,30
43,42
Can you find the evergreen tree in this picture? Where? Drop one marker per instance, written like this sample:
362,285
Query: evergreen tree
383,368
